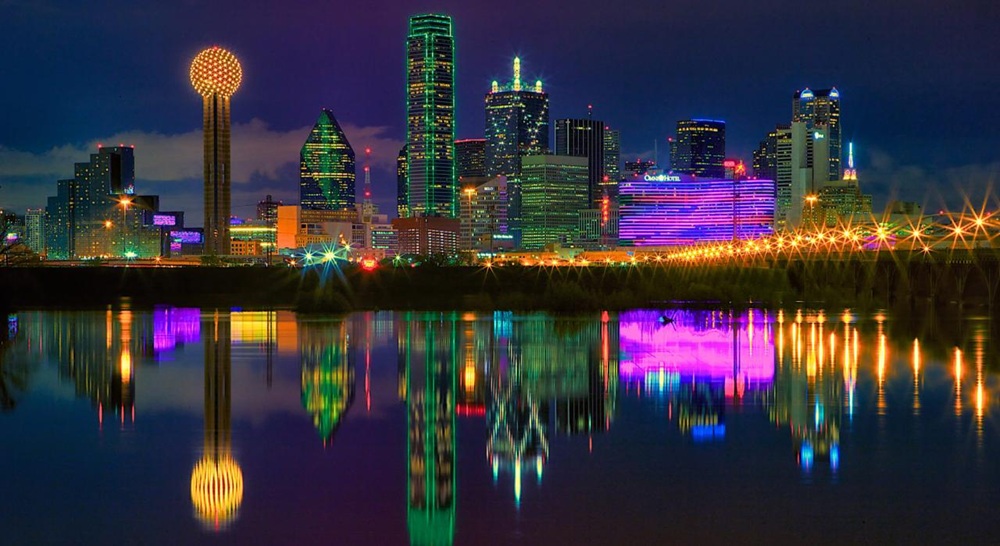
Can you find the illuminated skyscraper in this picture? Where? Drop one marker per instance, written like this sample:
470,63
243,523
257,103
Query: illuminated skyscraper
326,167
34,230
216,75
584,138
612,157
517,124
554,191
820,111
699,148
470,158
430,116
402,185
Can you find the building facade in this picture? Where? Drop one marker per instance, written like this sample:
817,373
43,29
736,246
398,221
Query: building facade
612,157
427,235
699,148
402,185
671,210
327,169
819,109
430,116
484,215
470,158
34,230
554,189
584,138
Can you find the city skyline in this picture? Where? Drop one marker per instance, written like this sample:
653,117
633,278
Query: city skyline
909,129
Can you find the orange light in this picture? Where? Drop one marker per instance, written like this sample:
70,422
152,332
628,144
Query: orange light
216,71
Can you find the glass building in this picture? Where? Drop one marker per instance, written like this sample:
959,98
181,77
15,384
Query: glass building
470,158
554,190
671,210
326,167
699,148
517,124
402,185
612,157
584,138
430,116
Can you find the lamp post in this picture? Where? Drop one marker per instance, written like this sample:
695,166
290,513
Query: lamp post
125,202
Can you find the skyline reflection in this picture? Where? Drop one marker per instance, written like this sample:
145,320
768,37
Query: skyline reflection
529,393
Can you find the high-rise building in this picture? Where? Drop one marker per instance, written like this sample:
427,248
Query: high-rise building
427,235
470,158
216,75
839,202
402,185
699,148
97,214
554,189
34,230
772,160
484,215
326,167
430,116
638,167
819,109
517,124
584,138
612,156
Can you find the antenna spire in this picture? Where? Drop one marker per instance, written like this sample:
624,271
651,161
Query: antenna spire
517,73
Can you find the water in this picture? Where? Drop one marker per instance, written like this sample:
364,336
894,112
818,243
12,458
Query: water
182,426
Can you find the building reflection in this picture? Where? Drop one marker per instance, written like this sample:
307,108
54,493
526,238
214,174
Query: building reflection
696,362
429,354
327,374
809,384
216,479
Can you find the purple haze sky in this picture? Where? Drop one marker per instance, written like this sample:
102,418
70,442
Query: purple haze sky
917,80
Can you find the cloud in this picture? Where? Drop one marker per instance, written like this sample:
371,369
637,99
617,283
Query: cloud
948,187
258,152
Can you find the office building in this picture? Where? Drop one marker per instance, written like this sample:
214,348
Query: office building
430,116
612,158
326,167
638,167
470,158
517,124
669,210
819,109
267,210
427,235
554,189
216,75
484,215
34,230
584,138
840,202
699,148
402,185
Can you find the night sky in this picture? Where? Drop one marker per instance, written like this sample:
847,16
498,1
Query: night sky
917,81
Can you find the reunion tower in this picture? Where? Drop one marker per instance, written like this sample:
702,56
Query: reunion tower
216,75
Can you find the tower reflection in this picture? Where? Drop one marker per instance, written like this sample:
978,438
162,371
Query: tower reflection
217,480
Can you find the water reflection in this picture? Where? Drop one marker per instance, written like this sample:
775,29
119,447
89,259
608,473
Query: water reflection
217,480
543,389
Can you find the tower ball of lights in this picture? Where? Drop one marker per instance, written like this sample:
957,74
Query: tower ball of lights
216,75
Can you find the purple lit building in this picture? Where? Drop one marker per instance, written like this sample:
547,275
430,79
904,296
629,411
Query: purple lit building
658,210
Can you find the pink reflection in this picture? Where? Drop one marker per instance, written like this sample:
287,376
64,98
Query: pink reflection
683,346
173,326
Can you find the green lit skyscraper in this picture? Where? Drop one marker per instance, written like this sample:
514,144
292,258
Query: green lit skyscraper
326,167
430,116
554,190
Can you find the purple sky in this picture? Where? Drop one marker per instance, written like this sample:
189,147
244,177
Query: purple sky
917,80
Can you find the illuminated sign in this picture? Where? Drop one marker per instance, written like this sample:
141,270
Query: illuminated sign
187,237
164,220
661,178
818,135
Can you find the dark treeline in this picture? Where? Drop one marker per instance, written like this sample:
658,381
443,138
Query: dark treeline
885,282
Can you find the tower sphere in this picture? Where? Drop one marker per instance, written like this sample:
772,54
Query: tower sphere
216,71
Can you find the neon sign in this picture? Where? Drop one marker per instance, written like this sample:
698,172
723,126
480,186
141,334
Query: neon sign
661,178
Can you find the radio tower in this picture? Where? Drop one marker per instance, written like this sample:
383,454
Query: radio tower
367,208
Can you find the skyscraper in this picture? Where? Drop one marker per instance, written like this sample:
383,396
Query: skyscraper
699,148
402,185
612,156
470,158
430,116
584,138
772,161
820,111
326,167
517,124
554,191
216,75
